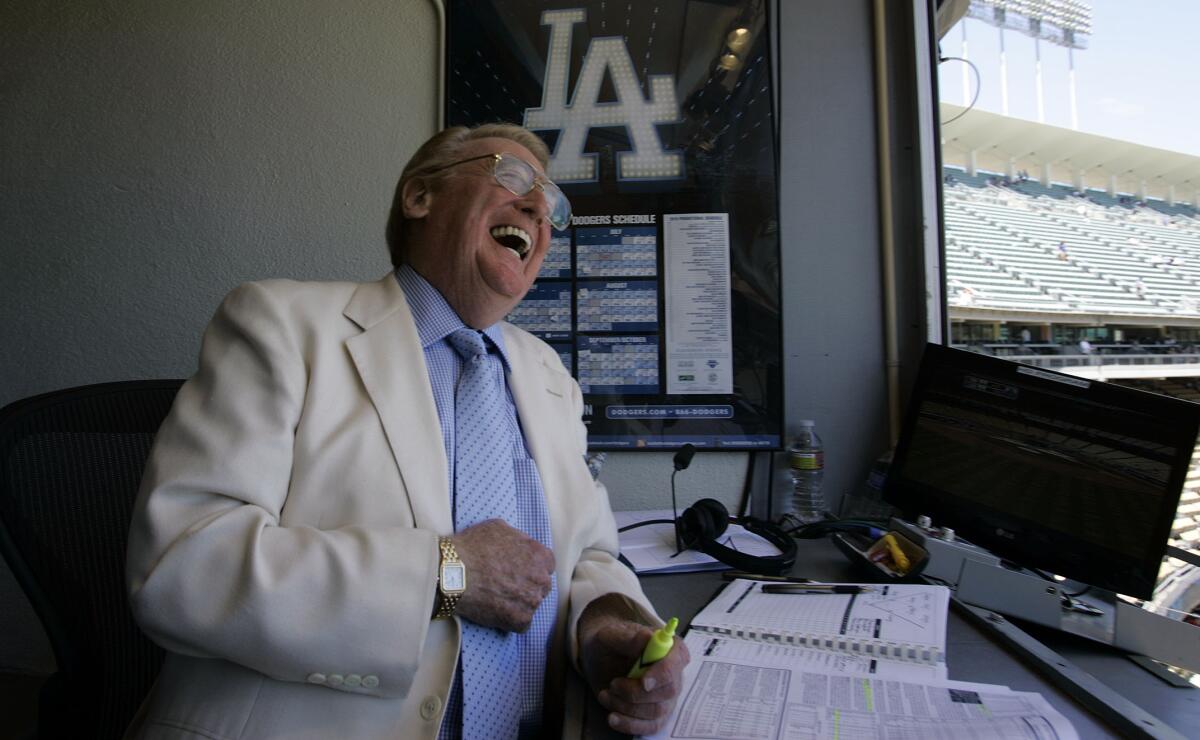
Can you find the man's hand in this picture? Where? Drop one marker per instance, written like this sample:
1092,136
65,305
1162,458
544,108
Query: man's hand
508,575
610,642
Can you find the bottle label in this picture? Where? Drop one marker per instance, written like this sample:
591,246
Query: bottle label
808,460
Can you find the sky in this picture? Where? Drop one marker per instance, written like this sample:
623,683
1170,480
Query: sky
1138,80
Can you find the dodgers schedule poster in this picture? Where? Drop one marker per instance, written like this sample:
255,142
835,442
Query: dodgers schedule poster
663,295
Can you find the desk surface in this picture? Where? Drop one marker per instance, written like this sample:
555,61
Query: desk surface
972,655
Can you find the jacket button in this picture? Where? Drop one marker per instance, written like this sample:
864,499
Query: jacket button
335,680
430,707
353,680
370,682
316,678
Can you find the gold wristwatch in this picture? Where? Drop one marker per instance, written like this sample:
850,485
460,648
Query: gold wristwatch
452,579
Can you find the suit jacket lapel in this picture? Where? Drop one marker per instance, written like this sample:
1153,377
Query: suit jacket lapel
391,363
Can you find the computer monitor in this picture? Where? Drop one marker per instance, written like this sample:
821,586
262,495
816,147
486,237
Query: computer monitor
1051,471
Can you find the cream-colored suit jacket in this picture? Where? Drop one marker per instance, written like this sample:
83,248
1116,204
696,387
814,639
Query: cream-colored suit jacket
283,546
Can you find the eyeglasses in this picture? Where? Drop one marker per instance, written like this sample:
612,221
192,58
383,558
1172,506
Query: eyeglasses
518,177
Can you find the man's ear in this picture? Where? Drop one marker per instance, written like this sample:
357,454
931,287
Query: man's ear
416,197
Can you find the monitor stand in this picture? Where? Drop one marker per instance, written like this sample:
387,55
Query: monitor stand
980,579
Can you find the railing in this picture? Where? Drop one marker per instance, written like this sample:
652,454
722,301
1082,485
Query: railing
1093,360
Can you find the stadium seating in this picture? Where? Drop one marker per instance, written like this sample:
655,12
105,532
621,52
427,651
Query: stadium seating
1119,257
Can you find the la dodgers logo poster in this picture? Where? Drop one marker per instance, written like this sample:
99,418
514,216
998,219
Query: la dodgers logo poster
662,296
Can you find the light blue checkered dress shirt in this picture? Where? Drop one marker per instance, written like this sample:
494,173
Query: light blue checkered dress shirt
436,320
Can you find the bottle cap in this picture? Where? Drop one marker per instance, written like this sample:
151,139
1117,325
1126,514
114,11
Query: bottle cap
662,640
807,423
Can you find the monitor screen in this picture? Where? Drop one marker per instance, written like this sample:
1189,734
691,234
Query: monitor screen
1078,477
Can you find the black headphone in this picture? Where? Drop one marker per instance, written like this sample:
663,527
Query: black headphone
702,524
700,528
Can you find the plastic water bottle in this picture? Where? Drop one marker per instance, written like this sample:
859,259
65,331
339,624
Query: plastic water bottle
868,503
807,461
782,503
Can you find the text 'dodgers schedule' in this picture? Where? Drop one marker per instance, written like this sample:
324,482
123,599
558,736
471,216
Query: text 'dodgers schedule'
699,343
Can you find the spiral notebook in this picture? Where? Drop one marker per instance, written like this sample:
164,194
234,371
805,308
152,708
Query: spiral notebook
895,621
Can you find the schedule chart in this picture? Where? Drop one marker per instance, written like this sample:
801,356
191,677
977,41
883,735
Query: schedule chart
626,251
618,365
630,304
558,259
617,305
596,302
546,310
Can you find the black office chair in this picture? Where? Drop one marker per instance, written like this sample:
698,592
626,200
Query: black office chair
70,465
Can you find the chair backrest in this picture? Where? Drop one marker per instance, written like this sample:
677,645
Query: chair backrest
70,465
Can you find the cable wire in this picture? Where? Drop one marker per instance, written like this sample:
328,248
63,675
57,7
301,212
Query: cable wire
812,530
978,86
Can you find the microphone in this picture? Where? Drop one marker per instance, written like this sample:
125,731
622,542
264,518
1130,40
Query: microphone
683,458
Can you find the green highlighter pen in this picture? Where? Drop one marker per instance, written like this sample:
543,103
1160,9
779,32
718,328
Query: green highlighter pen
657,648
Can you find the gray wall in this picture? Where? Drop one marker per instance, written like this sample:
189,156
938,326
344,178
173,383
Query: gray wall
833,328
157,154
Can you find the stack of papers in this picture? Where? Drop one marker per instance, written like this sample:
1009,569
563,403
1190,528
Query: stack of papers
651,549
840,665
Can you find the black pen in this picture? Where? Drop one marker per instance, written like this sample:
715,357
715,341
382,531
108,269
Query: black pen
731,575
813,588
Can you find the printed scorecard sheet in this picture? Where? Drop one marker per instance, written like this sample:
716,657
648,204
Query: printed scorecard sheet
751,699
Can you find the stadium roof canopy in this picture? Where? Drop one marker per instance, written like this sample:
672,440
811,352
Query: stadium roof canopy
998,140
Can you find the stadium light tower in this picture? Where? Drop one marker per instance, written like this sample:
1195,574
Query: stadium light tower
1061,22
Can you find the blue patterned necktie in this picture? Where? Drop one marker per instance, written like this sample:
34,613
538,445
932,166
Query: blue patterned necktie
485,488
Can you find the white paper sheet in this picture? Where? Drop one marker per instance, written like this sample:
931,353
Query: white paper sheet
748,699
697,281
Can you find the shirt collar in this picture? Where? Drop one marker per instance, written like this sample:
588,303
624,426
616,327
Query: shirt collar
435,318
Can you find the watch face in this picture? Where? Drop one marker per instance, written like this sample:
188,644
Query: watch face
454,577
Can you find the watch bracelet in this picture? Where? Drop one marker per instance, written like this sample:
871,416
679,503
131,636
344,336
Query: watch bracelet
446,603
